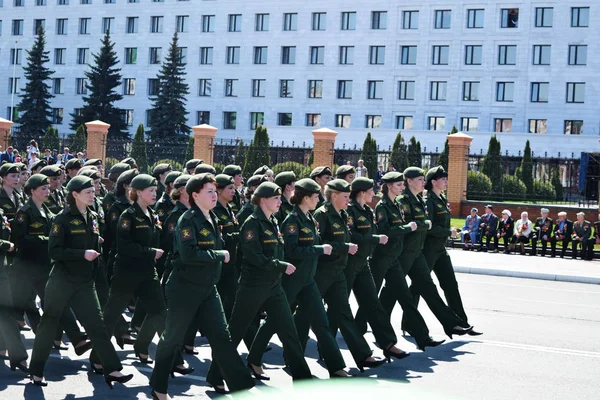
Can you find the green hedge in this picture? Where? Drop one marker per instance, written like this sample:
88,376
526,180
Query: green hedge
513,188
301,171
479,186
543,190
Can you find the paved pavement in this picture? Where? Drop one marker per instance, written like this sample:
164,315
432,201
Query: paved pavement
540,342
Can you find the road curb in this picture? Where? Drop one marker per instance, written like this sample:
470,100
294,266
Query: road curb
528,275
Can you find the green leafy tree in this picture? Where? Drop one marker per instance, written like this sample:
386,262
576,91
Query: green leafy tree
398,157
369,154
240,154
443,160
138,149
189,150
311,157
526,169
79,142
556,183
414,153
492,164
35,107
169,115
259,151
103,79
51,139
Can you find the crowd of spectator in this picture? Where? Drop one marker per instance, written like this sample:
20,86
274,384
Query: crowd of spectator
32,156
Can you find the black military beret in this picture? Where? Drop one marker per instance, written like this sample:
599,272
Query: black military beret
197,182
90,172
181,181
126,177
205,168
51,170
319,171
267,189
119,168
308,185
262,170
171,176
74,163
161,169
362,184
413,172
285,178
93,162
22,167
191,164
79,183
232,170
130,161
339,185
434,173
392,176
38,164
345,170
143,181
9,168
256,180
224,180
35,181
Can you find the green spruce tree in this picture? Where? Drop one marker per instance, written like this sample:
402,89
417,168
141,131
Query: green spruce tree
189,150
169,115
443,160
492,164
527,168
398,157
259,151
51,140
79,142
138,149
369,154
35,107
240,154
103,79
414,153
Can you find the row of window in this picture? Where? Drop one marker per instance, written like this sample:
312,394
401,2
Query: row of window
509,18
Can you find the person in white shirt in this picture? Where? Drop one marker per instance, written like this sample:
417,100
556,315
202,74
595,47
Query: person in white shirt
361,170
523,230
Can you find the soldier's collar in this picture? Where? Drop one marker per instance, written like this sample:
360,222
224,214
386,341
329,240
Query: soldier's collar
260,214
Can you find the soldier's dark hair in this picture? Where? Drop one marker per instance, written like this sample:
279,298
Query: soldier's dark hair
133,196
176,193
255,200
113,176
354,193
385,188
298,195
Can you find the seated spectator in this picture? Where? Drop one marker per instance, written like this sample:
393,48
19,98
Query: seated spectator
582,230
562,233
542,231
505,231
489,228
470,232
595,239
523,230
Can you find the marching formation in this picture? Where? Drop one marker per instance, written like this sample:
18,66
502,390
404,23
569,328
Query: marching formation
196,251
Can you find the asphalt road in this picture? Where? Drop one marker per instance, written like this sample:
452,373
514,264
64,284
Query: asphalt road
541,341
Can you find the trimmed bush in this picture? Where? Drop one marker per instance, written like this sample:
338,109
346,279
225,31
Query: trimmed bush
108,164
301,171
479,186
513,188
177,166
543,190
219,167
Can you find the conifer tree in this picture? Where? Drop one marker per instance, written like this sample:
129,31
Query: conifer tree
527,168
369,154
259,152
398,157
443,160
138,149
240,154
492,164
414,153
189,150
51,139
79,139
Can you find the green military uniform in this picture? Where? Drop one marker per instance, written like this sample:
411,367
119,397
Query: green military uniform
164,205
260,286
582,231
71,282
156,172
238,202
190,165
167,237
192,294
318,172
302,249
283,179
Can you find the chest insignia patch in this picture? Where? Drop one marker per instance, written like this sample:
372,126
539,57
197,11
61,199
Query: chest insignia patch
205,232
268,232
36,225
362,218
292,229
8,206
305,230
139,219
439,205
223,217
336,225
160,212
75,222
417,209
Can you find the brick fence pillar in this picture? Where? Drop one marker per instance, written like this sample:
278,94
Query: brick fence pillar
5,126
458,163
204,142
323,147
97,132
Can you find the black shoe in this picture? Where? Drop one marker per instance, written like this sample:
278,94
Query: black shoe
377,362
60,346
388,354
24,328
96,370
119,379
219,389
181,371
256,375
38,383
20,366
191,351
80,350
334,376
473,332
4,357
432,343
143,360
121,342
458,330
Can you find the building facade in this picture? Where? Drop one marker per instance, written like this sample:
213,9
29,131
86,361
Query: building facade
481,65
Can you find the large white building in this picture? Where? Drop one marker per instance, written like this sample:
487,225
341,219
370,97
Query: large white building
528,66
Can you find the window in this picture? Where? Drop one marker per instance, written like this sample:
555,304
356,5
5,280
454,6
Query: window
575,92
19,3
12,113
503,125
342,120
538,126
346,55
129,86
262,23
15,56
406,90
290,22
128,117
288,55
235,23
182,55
229,119
233,55
204,87
260,55
505,91
154,53
59,56
206,55
256,119
541,54
473,55
156,24
84,26
437,123
85,1
315,89
442,19
580,17
81,84
63,2
509,18
578,54
182,22
475,18
14,85
153,86
258,87
82,55
286,88
37,24
130,55
57,116
133,1
284,119
404,122
317,54
543,17
373,121
110,1
539,92
408,55
17,27
208,23
573,127
344,89
376,55
410,20
438,90
440,55
203,117
379,20
313,120
469,124
108,24
61,26
348,21
375,90
507,55
231,87
470,91
319,21
132,24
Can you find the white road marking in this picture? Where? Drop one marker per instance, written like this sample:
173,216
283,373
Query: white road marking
543,349
532,286
555,303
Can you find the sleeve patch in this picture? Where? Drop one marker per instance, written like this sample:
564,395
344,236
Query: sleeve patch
125,223
292,229
114,216
20,217
55,230
171,227
250,235
380,215
186,234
